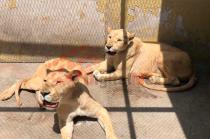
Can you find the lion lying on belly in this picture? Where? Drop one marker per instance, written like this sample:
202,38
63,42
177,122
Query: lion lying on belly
162,64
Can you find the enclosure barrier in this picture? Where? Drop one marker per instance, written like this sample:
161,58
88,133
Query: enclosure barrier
33,31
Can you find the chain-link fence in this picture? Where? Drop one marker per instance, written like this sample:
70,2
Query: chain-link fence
33,31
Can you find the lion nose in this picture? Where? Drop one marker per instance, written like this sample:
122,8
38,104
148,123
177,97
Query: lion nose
48,98
45,93
108,46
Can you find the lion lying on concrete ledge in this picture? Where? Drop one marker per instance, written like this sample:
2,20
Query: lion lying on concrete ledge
162,64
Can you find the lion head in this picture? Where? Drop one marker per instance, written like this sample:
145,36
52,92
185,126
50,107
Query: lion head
56,85
117,41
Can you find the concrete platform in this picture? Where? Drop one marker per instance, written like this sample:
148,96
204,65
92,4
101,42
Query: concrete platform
136,112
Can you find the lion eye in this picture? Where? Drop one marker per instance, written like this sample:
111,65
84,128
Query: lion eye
119,40
58,82
45,80
110,37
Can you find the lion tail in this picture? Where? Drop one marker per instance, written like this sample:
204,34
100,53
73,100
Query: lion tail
186,86
13,90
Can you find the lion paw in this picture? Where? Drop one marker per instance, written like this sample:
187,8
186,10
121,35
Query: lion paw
5,95
153,79
111,137
97,75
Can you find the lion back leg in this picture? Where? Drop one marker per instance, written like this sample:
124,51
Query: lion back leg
8,93
14,89
166,78
157,78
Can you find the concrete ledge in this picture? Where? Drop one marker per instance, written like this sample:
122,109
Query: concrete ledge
28,52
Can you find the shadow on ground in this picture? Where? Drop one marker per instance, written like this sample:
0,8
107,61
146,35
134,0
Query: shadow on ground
191,107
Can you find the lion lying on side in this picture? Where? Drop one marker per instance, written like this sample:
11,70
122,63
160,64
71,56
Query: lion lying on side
62,84
162,64
36,81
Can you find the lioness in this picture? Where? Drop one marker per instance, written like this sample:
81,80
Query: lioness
36,80
162,64
60,83
69,94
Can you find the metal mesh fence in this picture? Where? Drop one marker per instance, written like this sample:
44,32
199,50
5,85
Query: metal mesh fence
33,31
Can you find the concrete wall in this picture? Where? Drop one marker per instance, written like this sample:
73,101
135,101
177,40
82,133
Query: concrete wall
183,23
32,30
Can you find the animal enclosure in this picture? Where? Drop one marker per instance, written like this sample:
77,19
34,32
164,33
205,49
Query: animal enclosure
33,31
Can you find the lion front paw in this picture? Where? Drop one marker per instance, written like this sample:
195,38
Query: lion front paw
97,75
111,136
153,79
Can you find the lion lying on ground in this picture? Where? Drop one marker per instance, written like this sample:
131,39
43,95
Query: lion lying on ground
36,81
62,84
71,92
162,64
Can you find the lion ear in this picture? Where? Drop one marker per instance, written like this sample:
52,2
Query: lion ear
75,75
48,71
131,35
109,29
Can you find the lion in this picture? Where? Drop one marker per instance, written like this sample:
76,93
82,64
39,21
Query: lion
69,95
160,63
62,84
35,82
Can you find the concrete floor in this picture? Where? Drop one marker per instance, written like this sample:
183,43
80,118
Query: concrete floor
136,112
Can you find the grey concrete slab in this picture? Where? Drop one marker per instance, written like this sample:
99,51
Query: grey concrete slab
136,112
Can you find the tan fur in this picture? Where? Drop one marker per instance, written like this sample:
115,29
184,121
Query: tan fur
35,82
72,94
161,63
56,77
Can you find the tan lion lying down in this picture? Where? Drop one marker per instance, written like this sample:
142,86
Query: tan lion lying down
71,92
62,84
162,64
35,82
